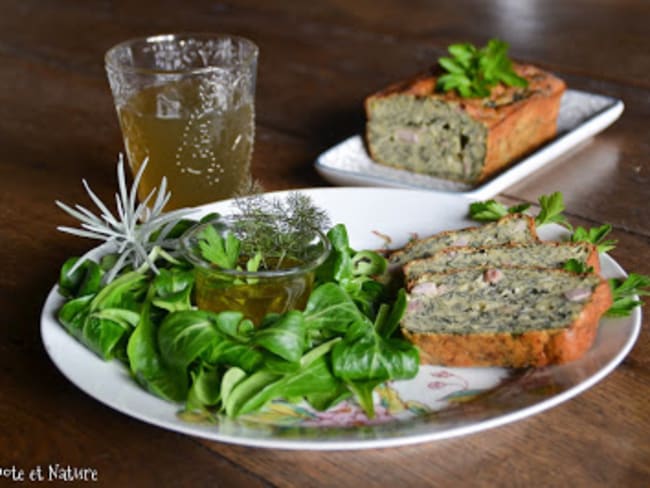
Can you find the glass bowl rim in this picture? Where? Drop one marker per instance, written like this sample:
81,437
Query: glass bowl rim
191,256
111,62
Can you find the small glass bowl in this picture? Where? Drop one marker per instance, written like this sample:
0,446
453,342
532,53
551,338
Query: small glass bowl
254,293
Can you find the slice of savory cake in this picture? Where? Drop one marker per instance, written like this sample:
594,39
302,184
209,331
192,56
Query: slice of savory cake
538,254
515,228
504,316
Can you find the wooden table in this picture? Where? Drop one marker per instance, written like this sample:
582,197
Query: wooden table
318,61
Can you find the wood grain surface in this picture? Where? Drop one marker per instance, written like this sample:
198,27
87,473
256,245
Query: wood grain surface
318,60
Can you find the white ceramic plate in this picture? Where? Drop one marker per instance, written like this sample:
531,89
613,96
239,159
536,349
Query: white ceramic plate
439,403
582,115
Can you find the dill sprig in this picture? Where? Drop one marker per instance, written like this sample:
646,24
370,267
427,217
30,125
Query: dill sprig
277,229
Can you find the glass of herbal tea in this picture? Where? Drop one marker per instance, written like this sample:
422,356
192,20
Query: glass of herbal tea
185,103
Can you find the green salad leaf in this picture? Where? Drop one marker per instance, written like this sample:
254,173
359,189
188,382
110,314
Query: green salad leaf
185,336
287,338
389,317
148,367
357,272
77,280
73,313
330,310
314,377
229,352
205,391
104,320
173,289
340,345
240,398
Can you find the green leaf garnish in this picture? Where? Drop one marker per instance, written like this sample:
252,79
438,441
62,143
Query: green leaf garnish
521,208
596,236
551,208
577,266
487,211
473,72
491,210
625,293
214,248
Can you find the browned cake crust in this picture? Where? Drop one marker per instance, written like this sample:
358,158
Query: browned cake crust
534,348
517,120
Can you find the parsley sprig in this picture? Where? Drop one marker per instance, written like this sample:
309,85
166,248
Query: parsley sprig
551,208
222,251
625,293
491,210
472,72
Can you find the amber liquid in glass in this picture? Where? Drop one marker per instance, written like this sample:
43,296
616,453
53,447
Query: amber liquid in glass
202,148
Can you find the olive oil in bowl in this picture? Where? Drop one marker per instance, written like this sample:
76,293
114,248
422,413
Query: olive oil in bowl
254,295
278,285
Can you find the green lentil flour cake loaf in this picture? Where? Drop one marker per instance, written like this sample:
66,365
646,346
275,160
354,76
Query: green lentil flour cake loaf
412,126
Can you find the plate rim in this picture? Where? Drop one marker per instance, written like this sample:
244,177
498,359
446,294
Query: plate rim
49,325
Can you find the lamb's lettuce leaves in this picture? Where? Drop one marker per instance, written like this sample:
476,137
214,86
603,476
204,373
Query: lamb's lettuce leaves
148,367
173,289
286,338
84,280
185,336
222,362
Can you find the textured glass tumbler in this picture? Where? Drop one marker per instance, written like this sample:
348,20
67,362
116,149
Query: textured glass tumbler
185,103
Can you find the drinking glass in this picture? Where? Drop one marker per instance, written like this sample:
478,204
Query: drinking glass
185,103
